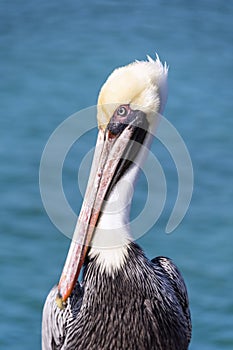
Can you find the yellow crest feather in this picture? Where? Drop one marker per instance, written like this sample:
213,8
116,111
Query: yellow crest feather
142,84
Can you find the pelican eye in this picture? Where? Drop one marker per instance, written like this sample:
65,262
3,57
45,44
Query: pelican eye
122,111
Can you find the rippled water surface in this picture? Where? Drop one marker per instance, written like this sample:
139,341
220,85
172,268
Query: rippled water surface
54,57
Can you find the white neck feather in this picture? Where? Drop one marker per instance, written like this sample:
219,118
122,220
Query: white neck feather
112,235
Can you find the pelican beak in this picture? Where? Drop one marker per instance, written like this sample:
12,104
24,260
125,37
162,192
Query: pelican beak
113,154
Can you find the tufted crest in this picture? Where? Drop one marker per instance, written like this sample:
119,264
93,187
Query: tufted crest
142,84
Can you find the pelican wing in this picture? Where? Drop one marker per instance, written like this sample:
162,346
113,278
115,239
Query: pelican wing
179,287
56,322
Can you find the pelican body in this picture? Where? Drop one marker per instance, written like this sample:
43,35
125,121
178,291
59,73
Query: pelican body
124,301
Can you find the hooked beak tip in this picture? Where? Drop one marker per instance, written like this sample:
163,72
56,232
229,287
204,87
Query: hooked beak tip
60,301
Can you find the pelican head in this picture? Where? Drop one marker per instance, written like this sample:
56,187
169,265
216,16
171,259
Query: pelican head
142,84
128,104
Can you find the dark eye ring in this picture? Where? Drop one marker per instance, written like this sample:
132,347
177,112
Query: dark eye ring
122,111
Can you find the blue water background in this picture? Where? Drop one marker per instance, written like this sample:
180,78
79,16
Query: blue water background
54,57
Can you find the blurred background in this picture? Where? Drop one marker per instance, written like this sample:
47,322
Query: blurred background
54,57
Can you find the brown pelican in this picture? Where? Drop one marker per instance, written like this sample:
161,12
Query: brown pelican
124,301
